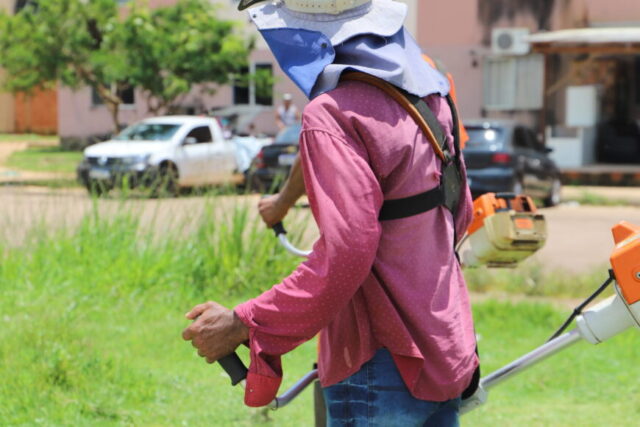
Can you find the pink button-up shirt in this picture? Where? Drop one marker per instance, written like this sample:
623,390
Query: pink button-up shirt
369,284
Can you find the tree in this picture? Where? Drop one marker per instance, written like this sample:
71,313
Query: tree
170,49
162,52
67,41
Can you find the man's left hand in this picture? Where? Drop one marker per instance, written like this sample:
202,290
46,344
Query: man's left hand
216,331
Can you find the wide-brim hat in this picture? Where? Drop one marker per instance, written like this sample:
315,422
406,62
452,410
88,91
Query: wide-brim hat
379,17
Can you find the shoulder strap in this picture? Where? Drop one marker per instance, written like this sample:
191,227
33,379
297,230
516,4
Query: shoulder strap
415,106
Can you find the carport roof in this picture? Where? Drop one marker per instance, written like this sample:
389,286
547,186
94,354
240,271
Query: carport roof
587,40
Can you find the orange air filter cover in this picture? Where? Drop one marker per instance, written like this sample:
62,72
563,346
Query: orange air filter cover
625,260
490,203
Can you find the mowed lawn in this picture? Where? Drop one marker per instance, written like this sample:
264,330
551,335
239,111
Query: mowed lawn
45,159
90,323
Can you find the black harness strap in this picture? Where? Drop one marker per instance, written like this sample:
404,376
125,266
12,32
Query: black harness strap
448,192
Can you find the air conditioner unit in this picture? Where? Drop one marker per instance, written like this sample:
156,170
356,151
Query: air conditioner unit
510,41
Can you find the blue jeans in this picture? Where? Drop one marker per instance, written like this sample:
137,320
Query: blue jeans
377,396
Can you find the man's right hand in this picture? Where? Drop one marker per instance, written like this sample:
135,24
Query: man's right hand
272,209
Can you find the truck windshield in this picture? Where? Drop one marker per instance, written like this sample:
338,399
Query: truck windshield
148,132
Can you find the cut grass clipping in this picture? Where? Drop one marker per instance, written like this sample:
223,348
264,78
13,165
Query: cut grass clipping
91,319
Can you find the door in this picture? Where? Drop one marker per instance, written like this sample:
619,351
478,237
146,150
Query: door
194,155
530,162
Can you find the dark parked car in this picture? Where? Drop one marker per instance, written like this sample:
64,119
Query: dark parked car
271,166
504,156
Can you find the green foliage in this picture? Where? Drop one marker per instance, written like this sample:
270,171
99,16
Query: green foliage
90,320
172,48
67,41
163,51
60,40
28,137
45,159
531,279
594,199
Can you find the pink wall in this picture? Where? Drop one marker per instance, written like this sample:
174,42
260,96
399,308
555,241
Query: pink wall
454,35
600,11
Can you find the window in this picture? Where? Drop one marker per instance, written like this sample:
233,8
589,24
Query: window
513,82
264,84
255,87
201,134
148,132
524,138
127,94
241,89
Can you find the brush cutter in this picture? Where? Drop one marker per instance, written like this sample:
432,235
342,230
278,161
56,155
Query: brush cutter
507,229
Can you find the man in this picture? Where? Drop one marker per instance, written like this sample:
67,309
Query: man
287,114
397,345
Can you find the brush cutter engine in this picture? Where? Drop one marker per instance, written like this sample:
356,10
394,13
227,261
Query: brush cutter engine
506,229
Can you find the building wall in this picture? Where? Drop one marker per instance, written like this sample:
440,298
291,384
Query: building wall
458,37
37,112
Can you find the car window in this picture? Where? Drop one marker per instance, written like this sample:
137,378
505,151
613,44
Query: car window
489,138
289,135
148,132
537,144
201,134
522,138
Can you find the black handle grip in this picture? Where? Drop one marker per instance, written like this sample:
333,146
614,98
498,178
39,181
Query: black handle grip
234,367
279,229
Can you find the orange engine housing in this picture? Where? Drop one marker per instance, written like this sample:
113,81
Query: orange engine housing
625,260
490,203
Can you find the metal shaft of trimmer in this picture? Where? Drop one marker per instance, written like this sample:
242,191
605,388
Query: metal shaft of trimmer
552,347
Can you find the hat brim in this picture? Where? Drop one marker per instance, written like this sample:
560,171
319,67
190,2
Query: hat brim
247,3
380,17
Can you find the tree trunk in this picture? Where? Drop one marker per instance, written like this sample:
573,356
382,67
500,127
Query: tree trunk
114,109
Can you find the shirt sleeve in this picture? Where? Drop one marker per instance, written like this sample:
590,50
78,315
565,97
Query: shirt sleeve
345,198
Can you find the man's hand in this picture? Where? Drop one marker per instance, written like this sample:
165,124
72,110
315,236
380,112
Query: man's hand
272,209
216,331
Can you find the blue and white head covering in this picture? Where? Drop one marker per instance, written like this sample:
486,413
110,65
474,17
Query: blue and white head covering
313,49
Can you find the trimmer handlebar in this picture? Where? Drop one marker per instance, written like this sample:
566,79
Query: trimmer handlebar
279,229
234,367
232,364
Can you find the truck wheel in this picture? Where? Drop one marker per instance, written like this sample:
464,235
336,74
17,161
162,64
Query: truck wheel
97,188
166,184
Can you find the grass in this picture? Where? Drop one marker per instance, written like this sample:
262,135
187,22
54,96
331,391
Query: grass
45,159
590,198
531,280
90,322
27,137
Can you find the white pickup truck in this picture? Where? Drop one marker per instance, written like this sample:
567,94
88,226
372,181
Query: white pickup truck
162,154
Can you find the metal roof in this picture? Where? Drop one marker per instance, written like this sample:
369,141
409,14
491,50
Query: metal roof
622,35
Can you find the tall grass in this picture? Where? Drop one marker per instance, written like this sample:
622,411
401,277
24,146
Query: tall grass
90,322
91,318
